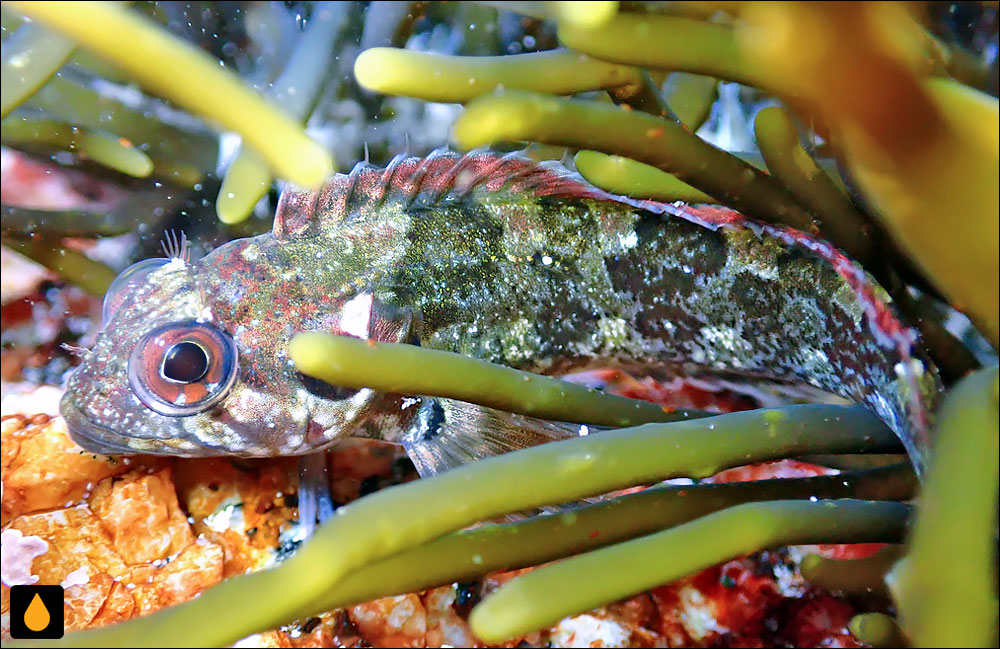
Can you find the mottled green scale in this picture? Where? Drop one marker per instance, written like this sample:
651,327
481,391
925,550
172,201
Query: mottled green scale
552,281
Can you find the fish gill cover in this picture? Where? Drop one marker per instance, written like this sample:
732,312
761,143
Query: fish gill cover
842,157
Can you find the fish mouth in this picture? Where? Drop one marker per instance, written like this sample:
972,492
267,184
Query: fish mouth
95,438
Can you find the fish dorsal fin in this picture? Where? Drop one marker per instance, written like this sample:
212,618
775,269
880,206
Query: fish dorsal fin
439,177
444,176
295,214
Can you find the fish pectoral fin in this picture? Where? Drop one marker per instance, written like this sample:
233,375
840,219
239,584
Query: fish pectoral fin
391,323
449,433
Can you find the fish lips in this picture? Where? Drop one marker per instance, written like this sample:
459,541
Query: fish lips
95,438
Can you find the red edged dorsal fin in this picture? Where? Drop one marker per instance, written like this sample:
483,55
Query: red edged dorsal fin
440,176
304,212
293,216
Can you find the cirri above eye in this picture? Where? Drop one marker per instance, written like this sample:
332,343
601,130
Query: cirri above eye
126,282
183,368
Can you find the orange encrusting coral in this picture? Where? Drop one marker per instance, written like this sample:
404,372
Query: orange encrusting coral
117,538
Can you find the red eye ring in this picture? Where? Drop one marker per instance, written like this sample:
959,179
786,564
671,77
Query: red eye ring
183,368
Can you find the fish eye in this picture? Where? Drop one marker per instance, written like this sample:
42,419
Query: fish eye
183,368
185,362
126,282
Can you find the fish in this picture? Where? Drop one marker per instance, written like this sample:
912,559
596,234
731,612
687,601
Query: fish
494,256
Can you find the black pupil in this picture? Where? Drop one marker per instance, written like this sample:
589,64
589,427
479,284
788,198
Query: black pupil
185,362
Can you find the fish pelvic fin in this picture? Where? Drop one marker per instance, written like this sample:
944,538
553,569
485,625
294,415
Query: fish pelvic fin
448,433
315,503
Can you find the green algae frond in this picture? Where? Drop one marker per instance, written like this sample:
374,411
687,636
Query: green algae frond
546,595
955,601
131,42
354,363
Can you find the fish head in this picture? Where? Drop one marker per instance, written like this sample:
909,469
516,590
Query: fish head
192,362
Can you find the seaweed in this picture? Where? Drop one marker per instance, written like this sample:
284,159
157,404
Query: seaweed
546,595
130,42
912,195
354,363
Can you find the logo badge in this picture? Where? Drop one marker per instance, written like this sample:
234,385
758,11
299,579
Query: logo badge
36,612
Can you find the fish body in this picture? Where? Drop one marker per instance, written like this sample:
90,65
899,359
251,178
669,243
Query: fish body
492,256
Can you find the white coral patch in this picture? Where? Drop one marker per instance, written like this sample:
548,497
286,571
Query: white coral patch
401,611
18,551
590,631
357,314
227,516
78,577
698,614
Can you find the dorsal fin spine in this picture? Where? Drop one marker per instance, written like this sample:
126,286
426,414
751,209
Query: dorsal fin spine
385,181
447,182
491,169
417,178
353,177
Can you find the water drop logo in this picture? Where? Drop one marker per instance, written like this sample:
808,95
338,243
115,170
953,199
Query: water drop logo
37,617
36,612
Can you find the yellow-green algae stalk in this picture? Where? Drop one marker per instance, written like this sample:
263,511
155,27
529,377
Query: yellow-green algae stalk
926,156
717,49
877,630
109,150
30,57
75,267
178,155
136,212
587,14
666,42
386,522
445,78
354,363
132,42
667,145
852,576
786,159
24,222
548,594
620,175
248,176
645,97
690,97
945,591
470,554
